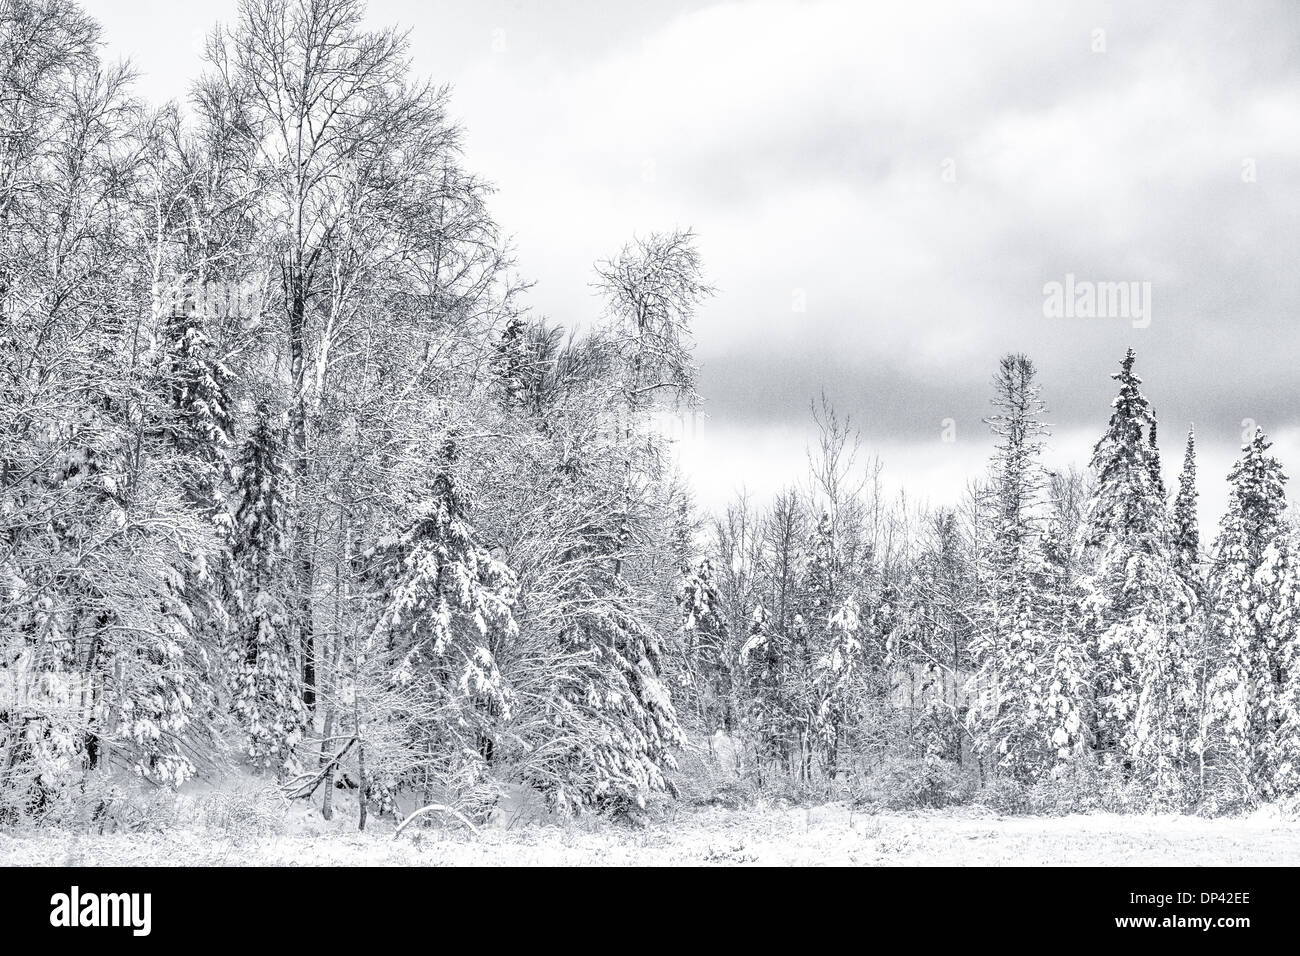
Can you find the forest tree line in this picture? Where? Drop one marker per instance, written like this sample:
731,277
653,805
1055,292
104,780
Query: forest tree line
1059,628
291,476
287,472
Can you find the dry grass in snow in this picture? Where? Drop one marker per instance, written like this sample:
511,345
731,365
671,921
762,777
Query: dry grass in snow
830,834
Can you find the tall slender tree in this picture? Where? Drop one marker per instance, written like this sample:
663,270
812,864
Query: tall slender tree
1186,534
1136,607
1016,649
1243,685
267,695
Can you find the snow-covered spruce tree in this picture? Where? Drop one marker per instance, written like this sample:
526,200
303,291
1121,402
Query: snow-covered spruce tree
1186,547
835,642
600,724
623,690
1068,668
1280,763
1186,533
511,360
707,648
1067,672
1137,608
196,423
763,667
196,195
266,672
198,386
447,610
613,634
834,671
817,640
1243,648
1026,713
1276,681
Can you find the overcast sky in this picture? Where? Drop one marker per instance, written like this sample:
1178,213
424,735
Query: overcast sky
881,193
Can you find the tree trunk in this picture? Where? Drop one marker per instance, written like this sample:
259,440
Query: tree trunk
303,560
361,787
327,804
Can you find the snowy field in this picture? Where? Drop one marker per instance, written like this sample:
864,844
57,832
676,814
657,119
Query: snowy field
831,834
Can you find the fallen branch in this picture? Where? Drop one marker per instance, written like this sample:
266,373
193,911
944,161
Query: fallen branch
293,791
432,807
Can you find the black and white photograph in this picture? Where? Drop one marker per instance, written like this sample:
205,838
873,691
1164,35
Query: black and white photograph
710,433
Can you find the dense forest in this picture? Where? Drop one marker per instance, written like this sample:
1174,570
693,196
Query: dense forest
293,482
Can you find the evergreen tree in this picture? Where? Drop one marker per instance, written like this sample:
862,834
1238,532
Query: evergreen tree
199,385
447,613
764,665
1024,712
637,723
1126,506
815,637
1243,689
1274,703
266,670
1281,763
1137,609
1157,479
1186,536
511,360
707,647
834,671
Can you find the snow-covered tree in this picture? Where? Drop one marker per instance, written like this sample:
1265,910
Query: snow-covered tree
1275,691
833,677
447,611
837,660
1027,710
653,288
706,646
511,360
1137,608
1280,763
1244,648
97,537
764,665
932,634
266,668
1186,533
590,522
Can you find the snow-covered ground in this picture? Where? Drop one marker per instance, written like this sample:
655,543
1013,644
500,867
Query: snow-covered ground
831,834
